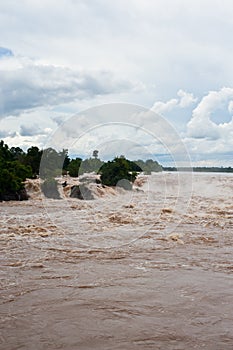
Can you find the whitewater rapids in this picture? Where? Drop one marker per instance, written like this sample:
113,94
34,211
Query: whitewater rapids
147,269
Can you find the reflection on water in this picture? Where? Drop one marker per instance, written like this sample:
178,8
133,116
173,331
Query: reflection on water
139,270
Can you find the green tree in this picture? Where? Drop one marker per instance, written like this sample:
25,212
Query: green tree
5,154
33,158
67,161
95,153
9,183
12,173
73,167
20,170
18,154
149,166
117,172
51,164
90,165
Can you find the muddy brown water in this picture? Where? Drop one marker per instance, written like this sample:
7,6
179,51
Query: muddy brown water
151,269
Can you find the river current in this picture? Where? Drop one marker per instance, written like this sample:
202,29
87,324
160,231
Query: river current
147,269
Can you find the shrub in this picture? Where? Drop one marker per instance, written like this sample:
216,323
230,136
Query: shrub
12,172
117,172
73,167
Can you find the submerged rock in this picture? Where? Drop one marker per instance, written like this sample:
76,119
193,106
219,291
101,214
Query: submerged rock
81,192
15,196
50,188
22,194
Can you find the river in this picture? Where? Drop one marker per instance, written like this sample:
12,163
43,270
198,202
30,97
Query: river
147,269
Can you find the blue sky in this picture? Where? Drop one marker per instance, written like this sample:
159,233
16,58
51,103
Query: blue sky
174,57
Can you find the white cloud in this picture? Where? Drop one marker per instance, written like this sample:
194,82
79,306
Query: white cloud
230,107
163,107
32,130
27,84
201,125
184,100
87,53
206,139
59,119
6,133
170,43
119,128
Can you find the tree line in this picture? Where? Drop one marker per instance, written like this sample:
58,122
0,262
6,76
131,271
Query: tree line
17,165
209,169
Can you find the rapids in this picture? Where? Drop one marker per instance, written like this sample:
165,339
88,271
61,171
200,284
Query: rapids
147,269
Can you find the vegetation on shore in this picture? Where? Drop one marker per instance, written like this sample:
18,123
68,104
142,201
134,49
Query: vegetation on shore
202,169
17,165
13,171
120,171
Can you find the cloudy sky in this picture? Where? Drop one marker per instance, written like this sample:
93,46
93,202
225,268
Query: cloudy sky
174,57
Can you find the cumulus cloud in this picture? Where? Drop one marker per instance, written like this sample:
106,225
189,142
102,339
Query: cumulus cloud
184,100
211,143
209,132
116,129
32,130
163,44
230,107
163,107
27,84
201,125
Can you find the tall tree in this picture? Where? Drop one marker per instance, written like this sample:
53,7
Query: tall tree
117,172
12,174
33,158
95,153
73,167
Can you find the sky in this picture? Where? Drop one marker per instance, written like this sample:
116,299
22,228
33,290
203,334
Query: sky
173,58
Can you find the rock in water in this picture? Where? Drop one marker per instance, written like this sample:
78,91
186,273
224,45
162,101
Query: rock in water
15,196
23,196
81,192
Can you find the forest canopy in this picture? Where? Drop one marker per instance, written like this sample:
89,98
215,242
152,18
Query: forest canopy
17,165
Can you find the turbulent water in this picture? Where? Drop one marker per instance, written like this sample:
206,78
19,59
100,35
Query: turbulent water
147,269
